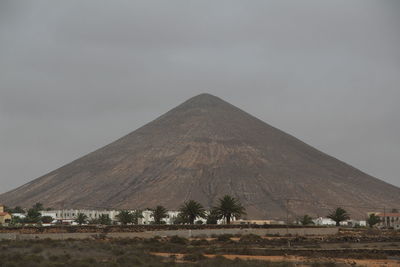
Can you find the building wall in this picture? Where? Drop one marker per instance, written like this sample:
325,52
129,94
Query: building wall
4,217
71,214
391,220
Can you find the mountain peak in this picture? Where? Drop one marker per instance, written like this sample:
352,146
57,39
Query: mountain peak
201,150
204,100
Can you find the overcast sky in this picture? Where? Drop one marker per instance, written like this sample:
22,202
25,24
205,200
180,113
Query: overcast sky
76,75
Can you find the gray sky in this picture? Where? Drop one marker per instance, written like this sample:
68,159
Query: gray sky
76,75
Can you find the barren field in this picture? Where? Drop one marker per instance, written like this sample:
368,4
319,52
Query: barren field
369,248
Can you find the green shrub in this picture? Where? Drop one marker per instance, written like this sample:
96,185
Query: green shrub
224,237
117,251
251,239
178,240
37,249
194,257
199,242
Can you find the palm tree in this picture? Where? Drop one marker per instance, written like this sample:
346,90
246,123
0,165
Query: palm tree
191,210
81,218
137,215
339,215
124,217
306,220
229,207
213,216
159,213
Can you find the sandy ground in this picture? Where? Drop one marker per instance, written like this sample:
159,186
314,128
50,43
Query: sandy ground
297,259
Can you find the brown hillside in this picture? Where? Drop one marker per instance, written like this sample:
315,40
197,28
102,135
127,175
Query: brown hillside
201,150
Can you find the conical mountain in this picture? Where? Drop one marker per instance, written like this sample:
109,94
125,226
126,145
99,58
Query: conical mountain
203,149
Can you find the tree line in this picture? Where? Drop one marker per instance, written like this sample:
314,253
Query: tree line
228,208
340,215
32,215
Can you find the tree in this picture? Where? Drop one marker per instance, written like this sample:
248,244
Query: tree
46,219
38,206
180,219
93,221
136,216
17,209
306,220
191,210
104,219
339,215
373,220
81,218
229,207
16,220
159,213
33,216
213,216
124,217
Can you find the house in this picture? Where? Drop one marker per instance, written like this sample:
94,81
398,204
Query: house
70,215
389,220
324,221
354,223
5,217
148,218
19,215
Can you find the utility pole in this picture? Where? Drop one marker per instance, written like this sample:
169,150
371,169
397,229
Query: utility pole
384,217
287,211
287,221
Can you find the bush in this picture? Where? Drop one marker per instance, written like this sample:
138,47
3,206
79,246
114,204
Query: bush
194,257
251,239
117,251
37,249
224,237
178,240
199,242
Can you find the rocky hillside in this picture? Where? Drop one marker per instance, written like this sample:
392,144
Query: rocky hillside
201,150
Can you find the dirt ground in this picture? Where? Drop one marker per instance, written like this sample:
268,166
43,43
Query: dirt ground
298,260
370,248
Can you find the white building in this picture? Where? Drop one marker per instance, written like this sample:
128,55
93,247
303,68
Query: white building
348,223
148,218
389,220
19,215
72,214
324,221
354,223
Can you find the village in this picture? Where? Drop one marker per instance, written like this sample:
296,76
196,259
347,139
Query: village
39,216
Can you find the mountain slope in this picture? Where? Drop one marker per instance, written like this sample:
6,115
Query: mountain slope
201,150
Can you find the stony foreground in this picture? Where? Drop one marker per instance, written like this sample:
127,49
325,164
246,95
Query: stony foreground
347,248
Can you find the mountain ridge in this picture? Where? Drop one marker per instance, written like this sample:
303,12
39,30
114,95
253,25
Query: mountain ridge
202,149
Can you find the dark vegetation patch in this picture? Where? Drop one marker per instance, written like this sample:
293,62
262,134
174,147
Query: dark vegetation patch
140,251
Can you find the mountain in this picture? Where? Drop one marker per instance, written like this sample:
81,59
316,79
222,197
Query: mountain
201,150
